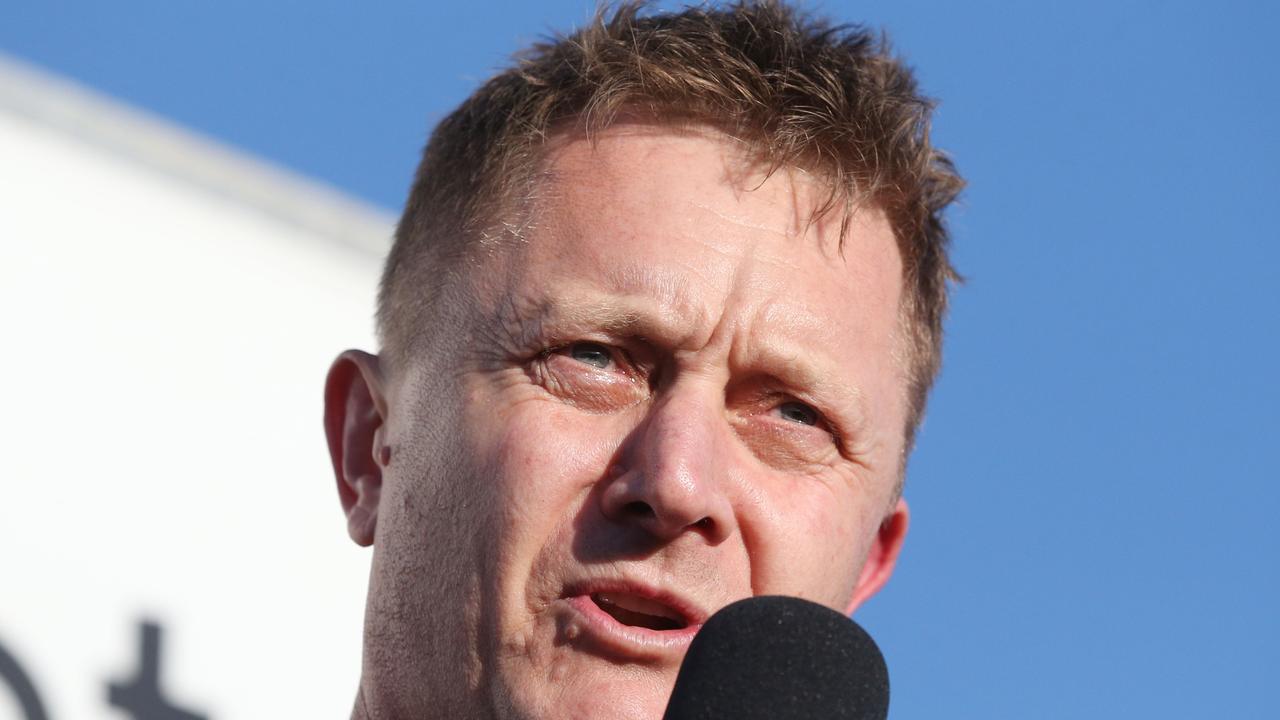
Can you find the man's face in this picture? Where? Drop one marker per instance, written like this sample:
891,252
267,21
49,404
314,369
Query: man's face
677,393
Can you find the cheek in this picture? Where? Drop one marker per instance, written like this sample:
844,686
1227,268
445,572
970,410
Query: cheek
549,439
811,545
546,458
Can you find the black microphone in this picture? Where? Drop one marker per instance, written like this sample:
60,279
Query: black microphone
780,658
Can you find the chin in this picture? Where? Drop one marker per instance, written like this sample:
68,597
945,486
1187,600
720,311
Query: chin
588,689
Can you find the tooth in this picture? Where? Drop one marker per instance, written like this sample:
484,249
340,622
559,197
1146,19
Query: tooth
641,605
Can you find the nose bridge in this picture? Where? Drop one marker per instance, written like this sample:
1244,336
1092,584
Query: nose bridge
680,442
673,477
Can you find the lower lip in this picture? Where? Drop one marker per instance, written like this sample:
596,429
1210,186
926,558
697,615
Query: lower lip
630,640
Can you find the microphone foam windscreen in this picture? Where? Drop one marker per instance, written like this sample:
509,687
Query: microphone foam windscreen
780,658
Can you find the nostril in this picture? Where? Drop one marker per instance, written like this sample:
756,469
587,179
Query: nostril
638,509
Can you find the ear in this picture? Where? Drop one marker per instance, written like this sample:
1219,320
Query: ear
883,555
354,410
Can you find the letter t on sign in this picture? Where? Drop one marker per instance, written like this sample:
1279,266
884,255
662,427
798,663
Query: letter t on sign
141,697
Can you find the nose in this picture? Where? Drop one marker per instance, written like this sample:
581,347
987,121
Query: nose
671,476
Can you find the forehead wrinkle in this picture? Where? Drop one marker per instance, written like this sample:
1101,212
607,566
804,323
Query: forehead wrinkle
628,299
669,291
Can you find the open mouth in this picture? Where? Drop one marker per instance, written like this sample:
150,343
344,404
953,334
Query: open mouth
639,612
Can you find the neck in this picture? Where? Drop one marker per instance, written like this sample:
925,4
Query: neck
361,709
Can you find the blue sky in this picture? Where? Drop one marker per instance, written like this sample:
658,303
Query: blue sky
1095,494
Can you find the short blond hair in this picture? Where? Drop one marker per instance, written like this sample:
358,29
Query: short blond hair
797,90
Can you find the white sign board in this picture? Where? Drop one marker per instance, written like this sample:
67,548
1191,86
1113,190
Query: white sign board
170,536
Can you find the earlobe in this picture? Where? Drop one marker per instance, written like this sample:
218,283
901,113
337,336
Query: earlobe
354,412
883,555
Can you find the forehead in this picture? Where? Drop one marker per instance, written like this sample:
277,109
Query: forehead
673,210
685,173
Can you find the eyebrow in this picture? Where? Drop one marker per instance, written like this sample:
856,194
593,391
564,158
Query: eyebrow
629,299
813,376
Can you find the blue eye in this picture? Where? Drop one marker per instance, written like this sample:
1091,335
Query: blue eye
593,354
798,412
